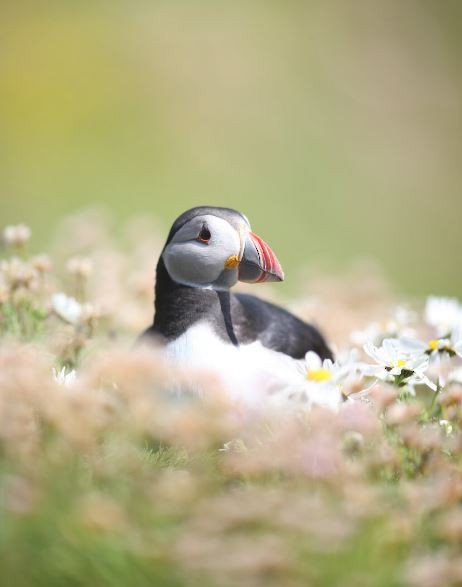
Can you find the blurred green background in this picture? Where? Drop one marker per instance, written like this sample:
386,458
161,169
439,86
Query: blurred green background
336,126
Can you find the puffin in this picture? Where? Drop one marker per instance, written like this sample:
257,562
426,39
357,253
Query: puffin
200,322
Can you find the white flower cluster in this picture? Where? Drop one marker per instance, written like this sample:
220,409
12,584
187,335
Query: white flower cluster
402,360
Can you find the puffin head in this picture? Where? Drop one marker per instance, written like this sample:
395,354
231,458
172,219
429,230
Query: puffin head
213,248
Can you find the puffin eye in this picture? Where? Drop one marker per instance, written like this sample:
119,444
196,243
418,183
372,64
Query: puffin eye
204,235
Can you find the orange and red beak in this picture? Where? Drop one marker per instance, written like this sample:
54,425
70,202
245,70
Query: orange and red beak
259,263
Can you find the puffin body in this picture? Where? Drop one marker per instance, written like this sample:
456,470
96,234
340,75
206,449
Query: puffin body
202,323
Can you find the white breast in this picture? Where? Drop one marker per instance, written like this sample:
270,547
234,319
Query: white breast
251,372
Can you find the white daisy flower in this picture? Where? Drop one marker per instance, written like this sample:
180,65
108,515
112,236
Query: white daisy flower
397,326
452,345
437,347
399,361
64,377
321,371
67,308
444,314
440,352
322,380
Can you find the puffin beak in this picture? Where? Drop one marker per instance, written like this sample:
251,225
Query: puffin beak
259,263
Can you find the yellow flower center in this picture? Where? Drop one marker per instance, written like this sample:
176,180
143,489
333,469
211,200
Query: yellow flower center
319,375
400,363
433,344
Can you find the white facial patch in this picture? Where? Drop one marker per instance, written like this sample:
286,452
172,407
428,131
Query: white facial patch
199,264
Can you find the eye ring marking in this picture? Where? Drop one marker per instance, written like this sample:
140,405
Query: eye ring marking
204,236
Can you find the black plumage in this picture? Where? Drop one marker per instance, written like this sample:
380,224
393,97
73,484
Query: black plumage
236,318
